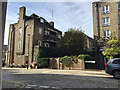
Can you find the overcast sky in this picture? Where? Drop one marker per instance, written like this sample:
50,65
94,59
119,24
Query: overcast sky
65,14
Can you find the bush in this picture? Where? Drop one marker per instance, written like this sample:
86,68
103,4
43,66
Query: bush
85,57
43,62
81,56
66,60
74,59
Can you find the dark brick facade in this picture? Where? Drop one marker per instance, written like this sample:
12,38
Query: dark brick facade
28,32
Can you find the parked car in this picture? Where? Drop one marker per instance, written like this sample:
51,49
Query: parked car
113,67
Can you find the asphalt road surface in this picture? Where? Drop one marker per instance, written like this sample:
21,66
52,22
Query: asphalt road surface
51,78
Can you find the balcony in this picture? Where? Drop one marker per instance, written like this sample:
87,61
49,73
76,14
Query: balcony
52,30
50,38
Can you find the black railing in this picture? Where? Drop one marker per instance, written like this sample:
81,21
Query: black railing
50,38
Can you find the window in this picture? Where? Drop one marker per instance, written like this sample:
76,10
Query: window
116,62
39,43
41,20
47,32
118,6
46,44
19,45
59,36
19,56
40,30
105,9
20,32
106,21
119,19
106,33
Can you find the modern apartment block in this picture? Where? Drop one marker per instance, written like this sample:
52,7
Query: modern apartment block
106,20
26,34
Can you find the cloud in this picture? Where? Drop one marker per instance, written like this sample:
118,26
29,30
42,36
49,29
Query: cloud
65,14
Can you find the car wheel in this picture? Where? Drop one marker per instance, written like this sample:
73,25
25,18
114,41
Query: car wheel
116,74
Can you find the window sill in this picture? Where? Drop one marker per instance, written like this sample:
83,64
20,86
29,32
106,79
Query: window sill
105,13
106,25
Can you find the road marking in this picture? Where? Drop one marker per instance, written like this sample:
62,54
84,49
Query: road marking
44,86
32,85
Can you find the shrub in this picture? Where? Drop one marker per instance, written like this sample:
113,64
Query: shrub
74,59
66,60
81,56
88,57
85,57
43,62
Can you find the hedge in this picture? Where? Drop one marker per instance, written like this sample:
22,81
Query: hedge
43,62
85,57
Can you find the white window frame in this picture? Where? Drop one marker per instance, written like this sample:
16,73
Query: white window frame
119,6
42,20
106,21
59,36
47,32
106,33
19,45
119,19
20,32
105,10
39,43
40,30
47,44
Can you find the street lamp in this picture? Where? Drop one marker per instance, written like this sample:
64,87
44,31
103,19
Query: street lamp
28,50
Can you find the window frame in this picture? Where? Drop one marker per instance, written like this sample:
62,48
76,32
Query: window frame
116,62
40,30
118,19
105,9
42,20
118,6
47,32
47,44
59,36
105,33
20,32
39,42
19,45
106,21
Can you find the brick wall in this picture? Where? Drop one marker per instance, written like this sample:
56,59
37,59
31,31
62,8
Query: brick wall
56,64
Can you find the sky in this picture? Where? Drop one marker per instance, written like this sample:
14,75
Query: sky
65,15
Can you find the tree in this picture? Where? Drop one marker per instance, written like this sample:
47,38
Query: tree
112,48
73,42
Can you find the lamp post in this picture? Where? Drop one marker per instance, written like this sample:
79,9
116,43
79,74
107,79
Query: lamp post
28,50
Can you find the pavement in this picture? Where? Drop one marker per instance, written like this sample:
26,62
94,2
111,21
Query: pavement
53,78
88,72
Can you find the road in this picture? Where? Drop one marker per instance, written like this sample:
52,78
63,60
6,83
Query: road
51,78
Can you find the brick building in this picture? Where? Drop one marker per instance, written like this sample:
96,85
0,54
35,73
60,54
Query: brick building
26,34
89,43
106,23
106,20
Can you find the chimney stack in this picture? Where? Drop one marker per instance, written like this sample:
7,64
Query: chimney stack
22,12
51,23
